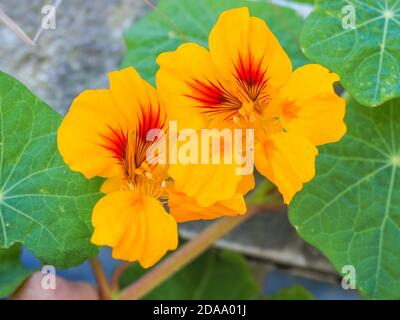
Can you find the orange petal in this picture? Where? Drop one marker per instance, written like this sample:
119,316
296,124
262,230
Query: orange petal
207,183
244,47
288,161
312,107
137,227
188,84
184,208
117,183
208,168
95,134
131,93
88,132
246,184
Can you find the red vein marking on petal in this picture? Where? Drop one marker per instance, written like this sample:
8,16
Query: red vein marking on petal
129,149
116,142
150,118
213,98
250,75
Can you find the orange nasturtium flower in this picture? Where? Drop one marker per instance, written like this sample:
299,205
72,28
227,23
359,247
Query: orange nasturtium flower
104,134
245,80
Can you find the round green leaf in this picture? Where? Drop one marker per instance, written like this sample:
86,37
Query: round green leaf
366,57
12,273
43,205
214,275
351,210
177,21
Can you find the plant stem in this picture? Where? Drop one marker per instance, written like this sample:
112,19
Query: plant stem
185,255
102,282
119,270
15,28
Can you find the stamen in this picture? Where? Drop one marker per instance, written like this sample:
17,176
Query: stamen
138,171
130,149
149,175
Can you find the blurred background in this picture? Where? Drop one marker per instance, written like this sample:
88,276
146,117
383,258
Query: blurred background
87,43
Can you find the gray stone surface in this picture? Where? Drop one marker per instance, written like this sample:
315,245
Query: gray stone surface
268,236
86,45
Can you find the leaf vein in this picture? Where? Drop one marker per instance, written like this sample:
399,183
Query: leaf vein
34,220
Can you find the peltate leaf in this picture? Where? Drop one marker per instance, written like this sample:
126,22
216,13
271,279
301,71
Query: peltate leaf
215,275
179,21
43,205
12,273
351,210
367,57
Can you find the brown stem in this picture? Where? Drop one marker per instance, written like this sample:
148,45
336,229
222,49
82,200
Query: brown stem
184,255
15,28
119,270
102,282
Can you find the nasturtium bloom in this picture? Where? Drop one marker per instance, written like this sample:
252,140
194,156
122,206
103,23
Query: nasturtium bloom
105,133
245,80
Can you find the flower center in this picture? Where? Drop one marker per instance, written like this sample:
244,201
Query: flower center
149,180
130,149
250,110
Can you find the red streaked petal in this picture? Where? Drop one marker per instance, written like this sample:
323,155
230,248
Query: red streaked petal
213,98
250,74
130,148
150,117
116,141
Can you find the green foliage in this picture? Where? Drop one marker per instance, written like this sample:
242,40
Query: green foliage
296,292
43,205
367,58
214,275
179,21
305,1
12,273
351,210
264,192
